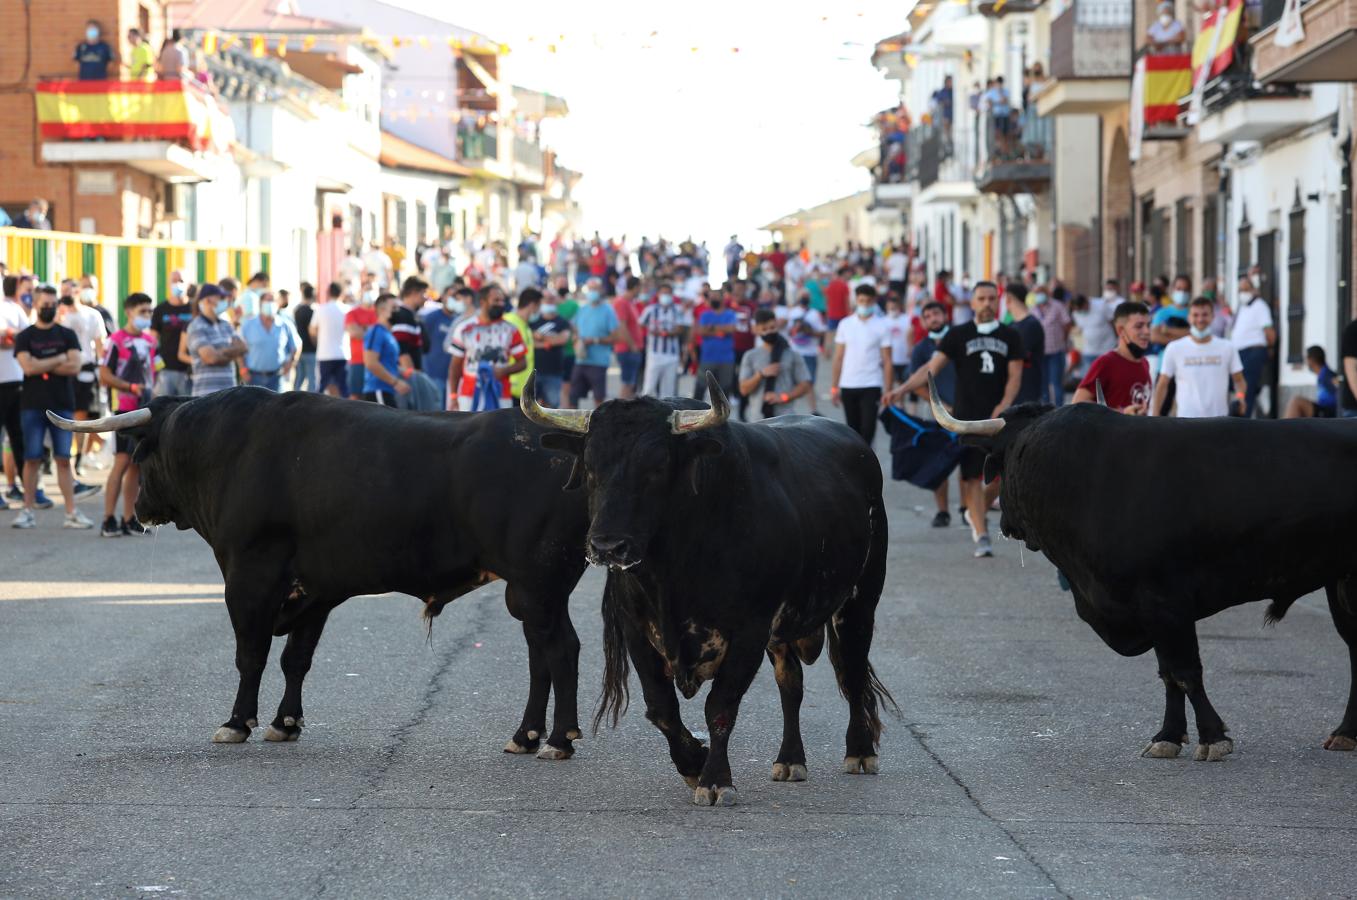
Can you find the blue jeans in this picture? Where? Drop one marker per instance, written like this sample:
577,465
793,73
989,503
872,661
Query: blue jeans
549,389
356,376
1053,378
270,382
172,383
36,426
1254,360
630,364
1348,413
305,377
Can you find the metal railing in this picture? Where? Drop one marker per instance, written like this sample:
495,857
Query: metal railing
1015,138
945,154
528,153
478,143
1092,39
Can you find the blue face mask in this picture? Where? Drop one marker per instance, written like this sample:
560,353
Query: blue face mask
141,323
939,334
1200,334
593,296
1180,298
1039,298
222,307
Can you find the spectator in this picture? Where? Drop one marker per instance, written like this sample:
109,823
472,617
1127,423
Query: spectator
357,321
1325,404
897,326
772,370
863,368
442,273
485,351
301,320
1165,34
597,329
807,329
1255,337
272,344
551,336
996,103
935,317
129,368
1123,373
77,313
1347,351
328,331
169,322
1033,333
213,345
528,299
246,304
733,253
382,357
437,324
378,265
629,351
49,355
13,319
526,273
142,64
716,327
666,325
1055,321
93,54
35,217
173,59
837,295
1201,367
405,324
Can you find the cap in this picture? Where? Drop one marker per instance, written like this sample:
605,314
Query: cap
210,290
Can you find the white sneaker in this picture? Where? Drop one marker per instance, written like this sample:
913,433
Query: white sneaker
25,519
77,519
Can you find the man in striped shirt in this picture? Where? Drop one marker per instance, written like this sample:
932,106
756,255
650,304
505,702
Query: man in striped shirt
666,325
405,325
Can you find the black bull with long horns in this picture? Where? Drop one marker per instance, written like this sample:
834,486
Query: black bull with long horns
307,500
726,542
1158,523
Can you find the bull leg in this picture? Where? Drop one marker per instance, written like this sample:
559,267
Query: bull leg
562,651
253,603
295,663
529,734
1168,743
741,663
1177,649
553,666
662,708
1341,598
791,756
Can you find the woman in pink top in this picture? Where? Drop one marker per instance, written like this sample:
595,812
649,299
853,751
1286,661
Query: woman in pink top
129,368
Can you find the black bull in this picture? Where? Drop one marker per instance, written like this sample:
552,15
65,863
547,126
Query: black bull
1158,523
727,541
307,501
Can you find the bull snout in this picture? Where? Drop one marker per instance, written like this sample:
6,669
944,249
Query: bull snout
613,551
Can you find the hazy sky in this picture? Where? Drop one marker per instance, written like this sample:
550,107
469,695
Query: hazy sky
708,142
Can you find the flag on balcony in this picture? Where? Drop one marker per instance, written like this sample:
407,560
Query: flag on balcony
128,110
1213,50
1168,79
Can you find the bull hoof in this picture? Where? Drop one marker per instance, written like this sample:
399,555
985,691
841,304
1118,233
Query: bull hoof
866,765
1214,752
573,734
228,735
1340,742
789,772
550,752
1161,750
514,747
691,781
716,796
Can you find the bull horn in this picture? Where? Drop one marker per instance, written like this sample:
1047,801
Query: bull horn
988,427
686,420
576,420
1098,389
132,419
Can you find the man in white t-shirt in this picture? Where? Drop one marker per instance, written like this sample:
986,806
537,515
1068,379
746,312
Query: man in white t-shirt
327,330
897,272
1095,322
77,313
1254,336
1201,367
378,264
862,364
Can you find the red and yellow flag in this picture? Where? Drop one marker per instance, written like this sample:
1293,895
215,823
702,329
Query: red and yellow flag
1168,79
1217,49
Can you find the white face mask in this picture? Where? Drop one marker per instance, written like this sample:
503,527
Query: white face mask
987,327
666,299
1109,294
1256,279
1165,19
1200,334
1245,297
548,309
88,295
267,309
866,312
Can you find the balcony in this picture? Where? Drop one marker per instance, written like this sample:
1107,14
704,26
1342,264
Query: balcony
946,165
478,145
1090,59
528,160
1015,153
170,129
1236,107
1327,52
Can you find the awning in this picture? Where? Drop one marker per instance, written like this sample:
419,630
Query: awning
398,153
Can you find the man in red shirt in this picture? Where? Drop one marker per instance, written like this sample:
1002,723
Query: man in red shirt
778,259
836,300
1123,373
629,355
744,332
357,321
485,349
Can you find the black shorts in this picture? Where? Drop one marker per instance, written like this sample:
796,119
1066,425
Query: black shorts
124,443
972,462
86,394
336,372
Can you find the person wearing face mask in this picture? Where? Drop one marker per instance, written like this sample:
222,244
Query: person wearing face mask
78,313
597,329
49,355
805,329
381,357
1170,322
485,351
773,371
863,371
1165,33
934,317
1056,323
989,360
1025,321
1255,337
437,323
129,368
716,327
327,330
273,346
247,304
357,321
213,345
169,322
666,324
551,337
1201,368
1123,373
93,54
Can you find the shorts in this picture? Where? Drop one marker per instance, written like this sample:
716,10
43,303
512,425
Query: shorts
36,427
356,375
381,398
832,323
630,364
1324,412
586,379
972,462
124,443
812,361
333,371
86,395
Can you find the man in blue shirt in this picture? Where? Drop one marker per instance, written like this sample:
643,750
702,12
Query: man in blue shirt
716,327
93,54
273,346
381,357
596,329
934,318
437,324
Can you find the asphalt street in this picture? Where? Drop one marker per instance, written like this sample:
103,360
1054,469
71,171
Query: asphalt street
1014,772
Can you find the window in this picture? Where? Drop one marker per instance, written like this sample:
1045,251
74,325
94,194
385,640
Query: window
421,221
1244,258
1209,243
965,247
1146,241
1295,274
1182,237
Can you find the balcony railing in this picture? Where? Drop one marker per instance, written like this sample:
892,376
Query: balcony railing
177,111
1015,152
528,154
1237,83
945,155
1092,39
478,144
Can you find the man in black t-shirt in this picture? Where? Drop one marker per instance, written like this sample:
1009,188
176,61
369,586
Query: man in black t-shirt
305,379
551,334
1033,335
169,323
405,325
1349,353
49,355
988,357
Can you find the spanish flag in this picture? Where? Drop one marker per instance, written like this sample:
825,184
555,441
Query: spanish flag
130,110
1216,41
1168,79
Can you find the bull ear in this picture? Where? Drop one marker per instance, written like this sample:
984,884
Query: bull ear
994,467
701,447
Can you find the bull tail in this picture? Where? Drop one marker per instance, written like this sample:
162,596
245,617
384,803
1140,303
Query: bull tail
871,697
616,697
1276,610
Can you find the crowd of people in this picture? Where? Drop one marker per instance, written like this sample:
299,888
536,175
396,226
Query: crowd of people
427,334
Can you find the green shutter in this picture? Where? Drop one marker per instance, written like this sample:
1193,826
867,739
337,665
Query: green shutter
264,261
124,271
88,260
40,260
202,267
162,274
